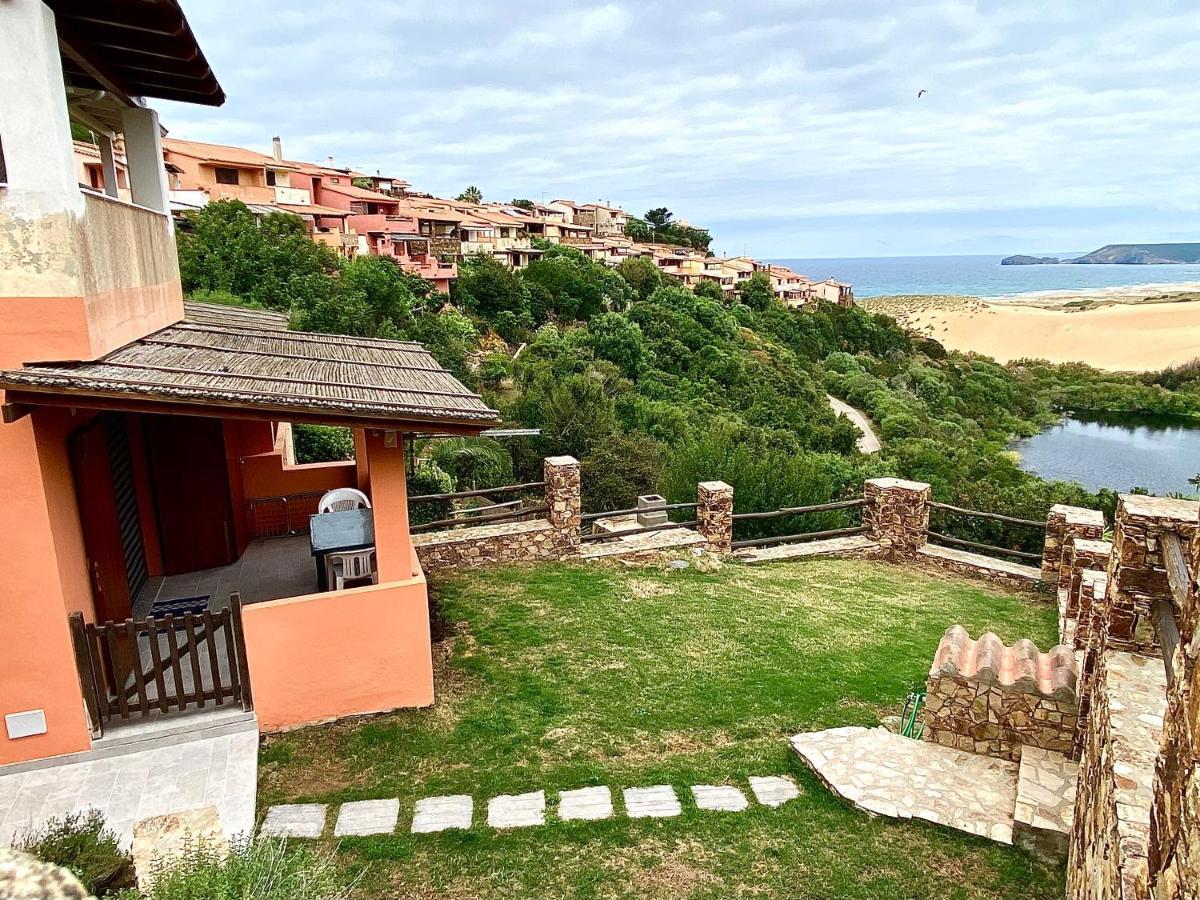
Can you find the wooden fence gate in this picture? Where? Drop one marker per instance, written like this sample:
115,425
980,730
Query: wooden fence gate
149,667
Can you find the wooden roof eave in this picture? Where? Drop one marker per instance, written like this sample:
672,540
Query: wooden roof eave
21,401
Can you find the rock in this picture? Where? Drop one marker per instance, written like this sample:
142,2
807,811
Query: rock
22,875
161,838
1021,260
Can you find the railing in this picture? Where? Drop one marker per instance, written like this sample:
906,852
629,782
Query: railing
801,536
1166,625
457,518
139,667
991,549
271,517
642,529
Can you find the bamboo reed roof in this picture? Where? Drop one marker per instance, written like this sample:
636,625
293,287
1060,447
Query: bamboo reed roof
238,366
223,314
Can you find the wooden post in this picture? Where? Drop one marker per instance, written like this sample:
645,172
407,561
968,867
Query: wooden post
87,673
239,641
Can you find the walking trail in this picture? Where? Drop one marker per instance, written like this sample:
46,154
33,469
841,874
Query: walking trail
868,441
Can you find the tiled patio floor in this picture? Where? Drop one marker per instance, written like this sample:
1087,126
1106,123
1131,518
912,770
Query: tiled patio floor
268,570
217,771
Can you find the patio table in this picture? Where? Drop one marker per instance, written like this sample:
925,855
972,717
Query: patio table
333,532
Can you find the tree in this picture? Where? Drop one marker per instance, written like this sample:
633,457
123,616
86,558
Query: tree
757,291
572,286
473,463
487,287
619,469
710,290
642,274
371,298
522,204
658,217
613,337
322,443
471,195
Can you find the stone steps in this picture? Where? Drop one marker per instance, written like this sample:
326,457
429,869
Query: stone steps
1045,804
857,544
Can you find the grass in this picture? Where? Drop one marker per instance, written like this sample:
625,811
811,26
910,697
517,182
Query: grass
563,676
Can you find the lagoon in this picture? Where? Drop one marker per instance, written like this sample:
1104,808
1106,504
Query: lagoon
1158,453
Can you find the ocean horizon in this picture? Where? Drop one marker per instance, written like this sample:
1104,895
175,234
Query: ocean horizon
977,275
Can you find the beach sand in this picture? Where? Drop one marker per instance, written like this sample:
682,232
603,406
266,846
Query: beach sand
1115,334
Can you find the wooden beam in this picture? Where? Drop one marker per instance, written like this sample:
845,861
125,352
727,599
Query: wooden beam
76,49
1175,562
14,412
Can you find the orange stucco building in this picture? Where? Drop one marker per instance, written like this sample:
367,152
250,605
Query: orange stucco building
145,442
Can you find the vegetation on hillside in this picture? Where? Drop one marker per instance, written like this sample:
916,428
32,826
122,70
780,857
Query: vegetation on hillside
653,386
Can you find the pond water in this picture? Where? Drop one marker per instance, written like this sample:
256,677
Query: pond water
1159,453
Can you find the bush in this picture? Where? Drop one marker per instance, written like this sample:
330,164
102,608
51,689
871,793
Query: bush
619,469
494,369
428,479
322,443
473,463
82,844
258,870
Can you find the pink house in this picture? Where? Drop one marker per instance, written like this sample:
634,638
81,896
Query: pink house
144,444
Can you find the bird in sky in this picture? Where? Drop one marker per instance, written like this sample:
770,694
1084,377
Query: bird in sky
920,92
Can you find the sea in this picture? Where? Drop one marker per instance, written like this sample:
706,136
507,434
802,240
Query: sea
979,276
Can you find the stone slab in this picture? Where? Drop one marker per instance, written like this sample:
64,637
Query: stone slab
854,545
587,804
890,775
367,817
641,543
442,813
986,565
1045,804
517,810
657,802
773,790
719,797
294,820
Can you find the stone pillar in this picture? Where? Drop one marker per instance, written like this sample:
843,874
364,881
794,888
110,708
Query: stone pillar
897,514
714,511
561,474
1062,523
1074,607
1136,574
1175,815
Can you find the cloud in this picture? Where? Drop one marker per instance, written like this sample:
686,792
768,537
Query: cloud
791,126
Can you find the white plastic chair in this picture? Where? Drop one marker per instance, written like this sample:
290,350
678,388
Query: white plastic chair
340,499
346,566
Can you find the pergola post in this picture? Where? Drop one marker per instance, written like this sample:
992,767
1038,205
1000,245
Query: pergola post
144,157
389,504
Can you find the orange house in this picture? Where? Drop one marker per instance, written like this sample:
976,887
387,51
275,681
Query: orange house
156,562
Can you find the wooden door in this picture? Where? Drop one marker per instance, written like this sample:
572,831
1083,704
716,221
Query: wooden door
100,519
190,483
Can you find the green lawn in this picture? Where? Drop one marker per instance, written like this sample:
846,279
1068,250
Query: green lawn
561,676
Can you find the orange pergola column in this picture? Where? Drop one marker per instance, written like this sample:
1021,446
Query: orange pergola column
389,502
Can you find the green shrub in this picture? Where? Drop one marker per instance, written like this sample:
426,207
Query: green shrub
428,479
322,443
494,369
82,844
473,463
259,870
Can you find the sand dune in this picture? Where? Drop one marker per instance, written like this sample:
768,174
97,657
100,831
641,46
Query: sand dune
1122,337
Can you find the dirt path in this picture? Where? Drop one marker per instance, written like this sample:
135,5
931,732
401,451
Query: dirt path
868,440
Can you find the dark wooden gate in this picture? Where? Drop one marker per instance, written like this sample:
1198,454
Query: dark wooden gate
144,667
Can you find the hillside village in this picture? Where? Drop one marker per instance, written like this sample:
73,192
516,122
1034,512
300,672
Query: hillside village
355,213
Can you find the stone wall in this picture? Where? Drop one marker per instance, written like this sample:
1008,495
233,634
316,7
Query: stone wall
1011,575
1175,817
555,537
1062,524
987,698
896,514
1136,575
1082,559
714,513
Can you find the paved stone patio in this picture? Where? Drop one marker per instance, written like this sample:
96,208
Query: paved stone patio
890,775
1045,805
434,814
220,771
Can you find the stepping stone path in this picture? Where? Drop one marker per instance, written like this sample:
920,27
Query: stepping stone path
441,813
773,791
433,814
589,804
367,817
658,802
517,810
720,798
298,820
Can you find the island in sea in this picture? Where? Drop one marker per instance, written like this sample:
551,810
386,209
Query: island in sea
1118,255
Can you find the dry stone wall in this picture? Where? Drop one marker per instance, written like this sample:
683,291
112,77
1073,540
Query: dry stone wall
1136,575
984,697
1062,524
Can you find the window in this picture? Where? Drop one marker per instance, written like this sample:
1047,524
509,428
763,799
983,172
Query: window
226,176
270,178
333,179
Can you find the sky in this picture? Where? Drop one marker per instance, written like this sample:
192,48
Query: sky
790,129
